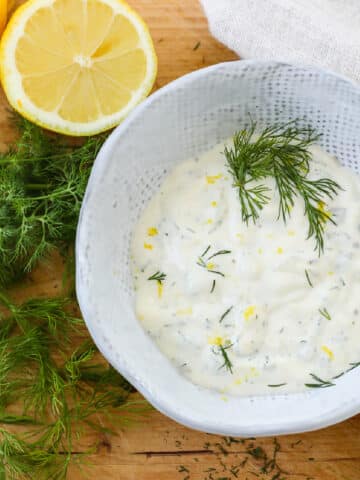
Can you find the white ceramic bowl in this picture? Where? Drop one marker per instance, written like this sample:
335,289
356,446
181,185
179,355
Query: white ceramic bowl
183,119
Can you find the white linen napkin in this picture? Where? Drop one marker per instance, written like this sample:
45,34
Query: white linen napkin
325,33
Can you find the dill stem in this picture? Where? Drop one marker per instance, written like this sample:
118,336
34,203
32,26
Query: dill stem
37,186
4,161
51,195
6,302
10,160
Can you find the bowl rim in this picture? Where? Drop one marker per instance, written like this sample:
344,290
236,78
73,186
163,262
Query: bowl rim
345,410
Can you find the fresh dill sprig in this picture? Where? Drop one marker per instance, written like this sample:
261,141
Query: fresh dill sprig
27,459
308,279
325,313
280,152
213,286
277,385
158,276
59,388
320,383
226,313
42,184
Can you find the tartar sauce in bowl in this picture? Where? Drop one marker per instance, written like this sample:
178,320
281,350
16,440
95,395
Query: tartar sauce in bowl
249,307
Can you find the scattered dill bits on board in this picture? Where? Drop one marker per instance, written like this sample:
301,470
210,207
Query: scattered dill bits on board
281,152
42,183
237,458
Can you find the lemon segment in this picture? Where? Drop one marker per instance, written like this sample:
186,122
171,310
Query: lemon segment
76,66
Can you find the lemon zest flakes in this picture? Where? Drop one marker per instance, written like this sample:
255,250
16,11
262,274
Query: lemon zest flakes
279,250
215,341
260,251
224,399
321,206
185,311
210,266
152,231
148,246
328,352
238,381
330,273
213,203
211,179
291,233
209,221
160,288
249,312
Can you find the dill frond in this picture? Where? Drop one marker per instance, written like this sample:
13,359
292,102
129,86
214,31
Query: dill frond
280,152
42,184
61,388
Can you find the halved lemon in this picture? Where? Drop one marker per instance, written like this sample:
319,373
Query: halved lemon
76,66
3,14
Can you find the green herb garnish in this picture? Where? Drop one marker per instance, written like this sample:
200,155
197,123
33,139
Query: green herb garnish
59,387
227,363
205,251
209,267
158,276
213,286
276,385
225,313
56,385
325,313
353,365
308,279
320,383
280,152
220,252
203,264
42,184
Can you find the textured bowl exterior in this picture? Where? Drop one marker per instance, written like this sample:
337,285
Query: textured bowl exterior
183,119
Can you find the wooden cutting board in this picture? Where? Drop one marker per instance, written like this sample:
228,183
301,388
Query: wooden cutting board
158,448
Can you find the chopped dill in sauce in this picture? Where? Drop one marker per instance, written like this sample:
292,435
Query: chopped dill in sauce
226,313
325,313
308,278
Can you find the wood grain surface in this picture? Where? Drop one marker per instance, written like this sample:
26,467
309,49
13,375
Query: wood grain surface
158,448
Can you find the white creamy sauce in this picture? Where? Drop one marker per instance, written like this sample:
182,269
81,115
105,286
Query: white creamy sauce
273,331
